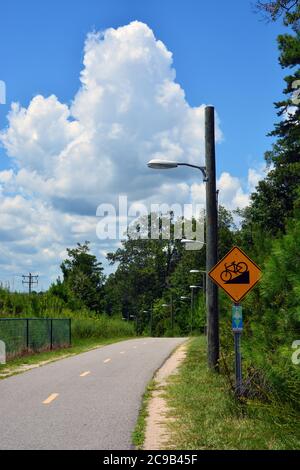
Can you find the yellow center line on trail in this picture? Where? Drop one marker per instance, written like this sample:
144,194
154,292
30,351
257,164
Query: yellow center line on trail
107,360
50,398
84,374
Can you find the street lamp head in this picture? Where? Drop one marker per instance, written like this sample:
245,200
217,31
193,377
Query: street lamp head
158,164
194,271
195,287
162,164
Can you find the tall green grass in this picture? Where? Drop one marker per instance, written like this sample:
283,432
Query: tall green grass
205,416
85,324
34,305
101,327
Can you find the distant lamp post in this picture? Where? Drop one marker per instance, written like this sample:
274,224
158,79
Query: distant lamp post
151,318
192,303
170,305
197,271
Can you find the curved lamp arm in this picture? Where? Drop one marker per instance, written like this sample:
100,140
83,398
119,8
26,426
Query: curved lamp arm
201,168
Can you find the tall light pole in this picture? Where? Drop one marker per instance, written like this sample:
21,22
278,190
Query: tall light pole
212,308
209,177
151,317
171,312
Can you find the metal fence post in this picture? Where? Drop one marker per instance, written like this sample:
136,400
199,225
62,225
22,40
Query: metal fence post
238,362
70,332
27,334
51,333
237,326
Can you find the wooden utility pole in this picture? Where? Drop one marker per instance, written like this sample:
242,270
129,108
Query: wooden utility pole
211,240
30,280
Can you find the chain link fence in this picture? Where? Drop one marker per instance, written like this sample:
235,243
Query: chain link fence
25,335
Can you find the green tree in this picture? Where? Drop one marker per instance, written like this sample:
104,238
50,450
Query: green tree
273,202
144,269
273,10
83,276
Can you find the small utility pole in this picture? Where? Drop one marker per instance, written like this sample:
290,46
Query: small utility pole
211,240
30,279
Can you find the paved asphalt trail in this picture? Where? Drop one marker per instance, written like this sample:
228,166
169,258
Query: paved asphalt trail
88,401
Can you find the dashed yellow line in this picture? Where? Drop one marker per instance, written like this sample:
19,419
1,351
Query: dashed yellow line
84,374
107,360
50,398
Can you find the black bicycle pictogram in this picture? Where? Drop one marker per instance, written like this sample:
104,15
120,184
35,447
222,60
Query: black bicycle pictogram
233,268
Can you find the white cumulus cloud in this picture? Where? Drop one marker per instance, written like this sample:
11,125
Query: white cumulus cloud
69,158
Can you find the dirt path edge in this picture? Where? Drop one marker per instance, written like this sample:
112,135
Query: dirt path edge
156,432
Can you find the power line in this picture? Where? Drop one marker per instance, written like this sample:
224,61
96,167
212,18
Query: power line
30,279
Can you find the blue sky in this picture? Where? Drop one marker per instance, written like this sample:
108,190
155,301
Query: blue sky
223,54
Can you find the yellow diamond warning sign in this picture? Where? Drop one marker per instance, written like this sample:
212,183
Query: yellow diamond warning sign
236,273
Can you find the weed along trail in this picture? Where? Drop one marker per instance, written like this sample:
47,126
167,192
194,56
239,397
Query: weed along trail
88,401
156,432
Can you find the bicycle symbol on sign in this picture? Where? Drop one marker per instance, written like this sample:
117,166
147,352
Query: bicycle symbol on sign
233,268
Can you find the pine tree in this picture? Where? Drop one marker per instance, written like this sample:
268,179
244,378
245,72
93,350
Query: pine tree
273,202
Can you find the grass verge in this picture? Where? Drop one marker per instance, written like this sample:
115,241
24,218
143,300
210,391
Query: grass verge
138,435
206,416
21,364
